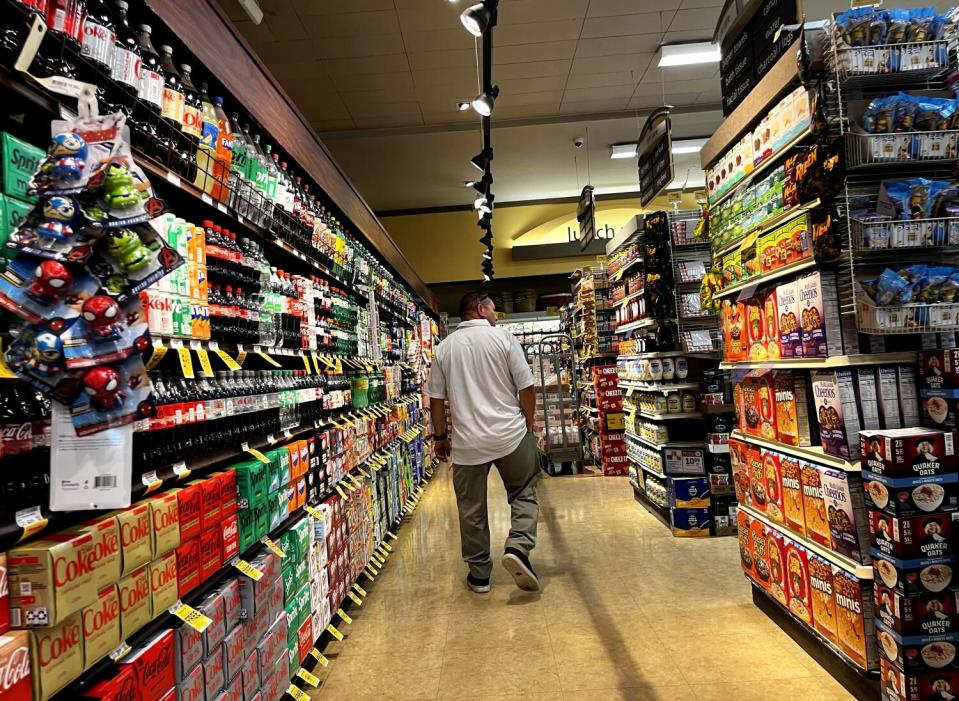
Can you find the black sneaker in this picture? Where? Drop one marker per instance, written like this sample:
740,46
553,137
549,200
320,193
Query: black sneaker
517,564
480,586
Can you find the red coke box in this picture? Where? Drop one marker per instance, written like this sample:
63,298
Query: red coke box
229,538
234,652
188,566
210,553
305,638
188,648
228,493
4,596
152,665
213,679
56,655
212,608
169,696
192,686
120,685
212,502
190,505
15,666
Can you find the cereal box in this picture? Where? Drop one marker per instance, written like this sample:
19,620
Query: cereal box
798,589
812,322
734,330
792,494
912,577
766,404
908,452
792,416
757,479
831,392
851,616
774,503
739,461
771,318
814,508
757,537
888,398
823,597
776,556
744,523
787,303
756,328
930,614
842,504
750,415
939,369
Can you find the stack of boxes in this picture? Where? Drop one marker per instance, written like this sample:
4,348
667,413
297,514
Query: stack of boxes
609,447
20,162
912,491
689,506
185,291
334,531
297,543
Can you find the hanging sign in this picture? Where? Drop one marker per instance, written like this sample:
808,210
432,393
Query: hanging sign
586,217
655,156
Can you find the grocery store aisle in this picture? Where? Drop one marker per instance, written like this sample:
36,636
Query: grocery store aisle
627,612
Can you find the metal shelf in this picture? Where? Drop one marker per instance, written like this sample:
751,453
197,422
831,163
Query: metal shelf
670,444
658,387
758,280
627,298
667,354
670,417
812,453
836,361
635,326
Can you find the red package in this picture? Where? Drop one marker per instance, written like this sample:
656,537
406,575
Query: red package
152,664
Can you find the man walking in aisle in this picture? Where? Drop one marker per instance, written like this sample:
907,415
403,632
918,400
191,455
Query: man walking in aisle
482,371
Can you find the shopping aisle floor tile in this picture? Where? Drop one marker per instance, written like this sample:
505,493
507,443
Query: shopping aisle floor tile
626,612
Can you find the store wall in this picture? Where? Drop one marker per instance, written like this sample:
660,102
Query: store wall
445,247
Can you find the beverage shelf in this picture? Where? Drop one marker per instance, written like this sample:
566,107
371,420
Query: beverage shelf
671,417
836,361
861,571
812,453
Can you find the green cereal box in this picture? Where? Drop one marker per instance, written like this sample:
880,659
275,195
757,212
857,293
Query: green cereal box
20,162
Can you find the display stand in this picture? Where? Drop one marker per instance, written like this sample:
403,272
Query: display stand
556,421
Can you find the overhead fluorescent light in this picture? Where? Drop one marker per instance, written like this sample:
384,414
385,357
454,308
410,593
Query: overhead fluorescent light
617,151
252,8
688,54
688,146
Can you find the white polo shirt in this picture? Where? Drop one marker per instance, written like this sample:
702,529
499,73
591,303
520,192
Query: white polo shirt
480,369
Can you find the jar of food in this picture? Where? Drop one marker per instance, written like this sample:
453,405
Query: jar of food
660,404
655,370
688,402
673,403
682,368
669,369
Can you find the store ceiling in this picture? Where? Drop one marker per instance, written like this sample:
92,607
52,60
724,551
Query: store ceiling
379,80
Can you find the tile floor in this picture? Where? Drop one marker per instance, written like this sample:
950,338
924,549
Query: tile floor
627,612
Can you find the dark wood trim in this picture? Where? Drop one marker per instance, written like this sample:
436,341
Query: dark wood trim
231,59
517,203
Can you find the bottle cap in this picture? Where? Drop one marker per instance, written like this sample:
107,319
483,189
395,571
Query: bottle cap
218,100
207,224
145,28
122,5
168,50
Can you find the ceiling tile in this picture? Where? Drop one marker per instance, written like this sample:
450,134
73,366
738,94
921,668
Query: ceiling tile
645,102
437,39
453,58
676,37
644,23
347,46
366,65
700,18
548,109
704,71
255,33
656,87
449,117
535,32
546,51
524,85
363,105
293,72
608,92
369,24
435,15
462,77
687,4
363,101
533,69
596,80
284,23
333,7
321,107
615,8
608,46
374,81
332,125
276,53
592,106
389,121
636,63
528,11
551,97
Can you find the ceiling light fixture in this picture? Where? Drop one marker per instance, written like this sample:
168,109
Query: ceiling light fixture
483,104
487,254
252,8
478,18
618,151
688,146
488,268
487,278
485,220
484,203
481,160
463,105
487,239
688,54
483,184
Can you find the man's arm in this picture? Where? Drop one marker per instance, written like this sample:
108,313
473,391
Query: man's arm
527,402
438,417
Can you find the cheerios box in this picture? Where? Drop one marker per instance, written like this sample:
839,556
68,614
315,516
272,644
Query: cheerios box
911,496
908,452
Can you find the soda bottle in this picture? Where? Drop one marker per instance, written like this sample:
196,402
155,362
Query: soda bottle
126,59
224,152
178,146
151,71
65,30
209,138
239,185
99,37
192,127
272,175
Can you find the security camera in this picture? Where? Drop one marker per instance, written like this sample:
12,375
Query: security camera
578,142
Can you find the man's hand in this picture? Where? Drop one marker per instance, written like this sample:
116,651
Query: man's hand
442,449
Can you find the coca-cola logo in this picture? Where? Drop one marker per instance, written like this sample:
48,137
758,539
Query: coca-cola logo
127,690
161,577
189,506
133,533
62,641
155,667
16,432
189,558
96,31
107,547
165,517
67,570
104,615
229,529
157,303
17,668
134,593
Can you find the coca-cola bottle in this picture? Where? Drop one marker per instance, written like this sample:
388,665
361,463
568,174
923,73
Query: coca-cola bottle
65,20
151,92
99,37
171,114
127,63
192,116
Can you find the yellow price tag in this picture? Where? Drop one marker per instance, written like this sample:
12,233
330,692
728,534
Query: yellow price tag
354,480
297,693
32,528
377,561
363,472
186,360
193,618
306,364
356,600
316,363
359,590
258,455
319,657
280,552
204,357
338,368
151,481
372,569
310,679
315,513
334,632
241,356
227,360
159,351
392,535
340,491
369,368
342,614
389,548
249,570
268,358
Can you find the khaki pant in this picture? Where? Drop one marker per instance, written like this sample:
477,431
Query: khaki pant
520,472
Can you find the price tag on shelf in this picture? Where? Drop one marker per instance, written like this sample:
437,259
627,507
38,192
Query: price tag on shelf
359,590
255,453
356,600
342,614
221,208
355,481
248,569
31,520
186,360
203,357
319,657
297,693
377,561
310,679
277,550
340,491
121,651
206,198
181,470
371,570
306,364
189,615
389,548
334,632
363,472
225,357
173,179
338,367
315,513
159,352
241,354
316,362
269,359
151,481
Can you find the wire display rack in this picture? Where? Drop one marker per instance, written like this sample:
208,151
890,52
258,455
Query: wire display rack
553,360
698,329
